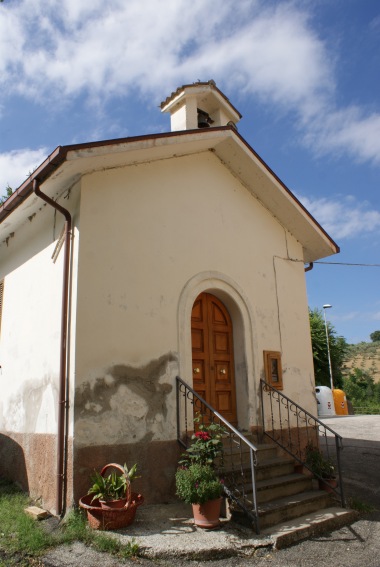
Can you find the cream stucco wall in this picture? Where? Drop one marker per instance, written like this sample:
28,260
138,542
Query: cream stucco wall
30,351
153,236
31,323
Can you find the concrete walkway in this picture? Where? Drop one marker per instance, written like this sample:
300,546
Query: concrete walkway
360,456
168,532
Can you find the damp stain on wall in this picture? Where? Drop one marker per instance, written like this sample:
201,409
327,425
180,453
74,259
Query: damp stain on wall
33,408
127,404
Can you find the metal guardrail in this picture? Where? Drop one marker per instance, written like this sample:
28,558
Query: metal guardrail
292,428
288,425
365,410
240,455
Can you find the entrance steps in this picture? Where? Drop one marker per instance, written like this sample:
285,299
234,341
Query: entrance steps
290,506
309,525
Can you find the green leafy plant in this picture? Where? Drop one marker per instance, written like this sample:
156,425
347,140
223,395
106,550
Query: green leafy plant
362,390
337,345
196,478
198,483
360,506
23,540
375,336
318,464
113,486
206,445
8,193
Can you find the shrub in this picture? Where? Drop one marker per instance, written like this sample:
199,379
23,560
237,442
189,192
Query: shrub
198,483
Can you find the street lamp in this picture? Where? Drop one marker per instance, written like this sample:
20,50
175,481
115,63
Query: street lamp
327,306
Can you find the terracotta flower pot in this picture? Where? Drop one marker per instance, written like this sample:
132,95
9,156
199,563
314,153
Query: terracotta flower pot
300,469
327,484
207,515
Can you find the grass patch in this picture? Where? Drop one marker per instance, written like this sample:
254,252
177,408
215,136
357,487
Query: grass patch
19,532
360,506
74,528
106,544
22,538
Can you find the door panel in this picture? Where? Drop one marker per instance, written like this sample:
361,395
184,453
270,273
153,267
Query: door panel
213,364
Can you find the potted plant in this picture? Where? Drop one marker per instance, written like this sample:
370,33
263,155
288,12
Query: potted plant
197,481
321,467
110,503
200,486
113,490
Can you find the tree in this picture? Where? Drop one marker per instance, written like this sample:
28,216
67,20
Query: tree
338,347
362,390
8,191
375,336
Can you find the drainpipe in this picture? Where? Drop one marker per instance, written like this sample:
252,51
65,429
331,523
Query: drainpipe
62,401
309,267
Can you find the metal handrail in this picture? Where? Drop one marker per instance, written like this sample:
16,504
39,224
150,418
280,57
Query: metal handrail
297,428
235,489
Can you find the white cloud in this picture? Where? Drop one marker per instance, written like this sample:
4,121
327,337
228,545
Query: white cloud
349,131
375,24
344,217
115,47
16,166
353,315
56,50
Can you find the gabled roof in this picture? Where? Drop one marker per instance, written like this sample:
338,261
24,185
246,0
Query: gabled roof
65,166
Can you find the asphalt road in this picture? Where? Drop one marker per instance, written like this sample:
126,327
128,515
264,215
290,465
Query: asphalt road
357,545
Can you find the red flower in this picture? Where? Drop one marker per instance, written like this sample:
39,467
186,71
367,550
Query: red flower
203,435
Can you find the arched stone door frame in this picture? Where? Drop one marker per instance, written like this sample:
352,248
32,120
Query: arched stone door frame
247,368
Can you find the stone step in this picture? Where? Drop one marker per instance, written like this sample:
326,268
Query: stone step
233,453
266,452
289,508
293,506
269,468
234,441
274,479
272,488
312,524
287,485
274,467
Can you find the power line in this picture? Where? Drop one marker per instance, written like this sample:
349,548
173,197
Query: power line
348,264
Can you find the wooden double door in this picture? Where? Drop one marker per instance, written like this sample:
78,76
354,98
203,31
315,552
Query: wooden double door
213,359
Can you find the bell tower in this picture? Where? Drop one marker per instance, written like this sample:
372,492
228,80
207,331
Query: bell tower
200,105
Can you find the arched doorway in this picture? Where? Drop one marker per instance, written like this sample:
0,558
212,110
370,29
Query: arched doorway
213,355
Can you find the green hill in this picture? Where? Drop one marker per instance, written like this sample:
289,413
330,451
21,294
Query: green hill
366,357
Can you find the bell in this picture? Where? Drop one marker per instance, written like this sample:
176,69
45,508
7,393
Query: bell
204,119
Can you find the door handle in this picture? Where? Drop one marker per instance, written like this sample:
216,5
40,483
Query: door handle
196,370
222,371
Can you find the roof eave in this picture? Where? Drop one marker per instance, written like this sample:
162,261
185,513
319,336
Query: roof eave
43,171
318,243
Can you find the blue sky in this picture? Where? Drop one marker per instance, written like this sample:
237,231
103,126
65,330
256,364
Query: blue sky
304,74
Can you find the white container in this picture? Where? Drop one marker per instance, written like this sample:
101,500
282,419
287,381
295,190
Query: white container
325,401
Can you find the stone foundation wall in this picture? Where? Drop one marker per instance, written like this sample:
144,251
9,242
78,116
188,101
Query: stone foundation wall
30,460
157,462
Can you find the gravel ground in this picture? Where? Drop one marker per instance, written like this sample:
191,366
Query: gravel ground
357,545
354,546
